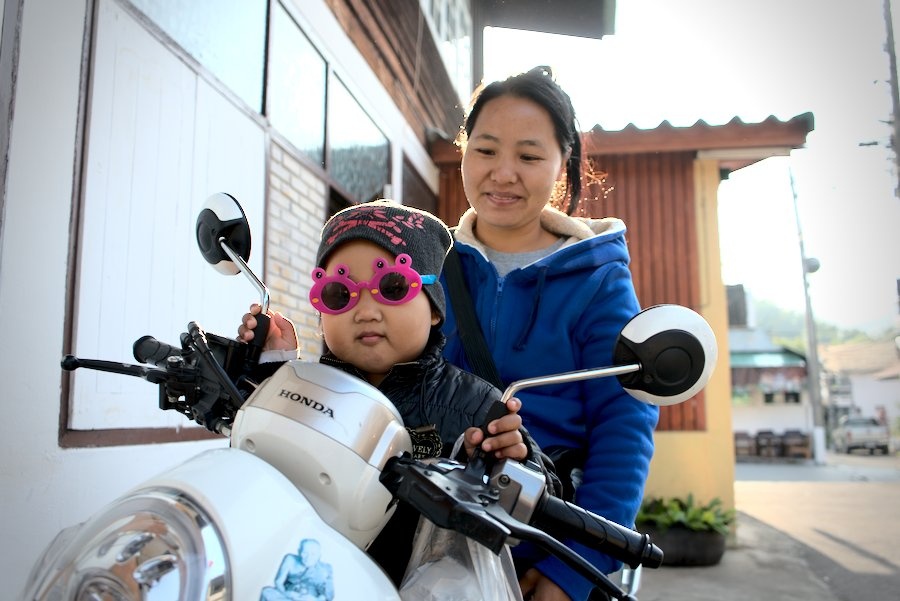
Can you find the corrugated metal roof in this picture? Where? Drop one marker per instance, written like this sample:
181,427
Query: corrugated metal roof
752,348
859,357
736,143
888,373
751,340
767,359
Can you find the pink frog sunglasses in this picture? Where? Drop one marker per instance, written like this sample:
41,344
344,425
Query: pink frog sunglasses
390,285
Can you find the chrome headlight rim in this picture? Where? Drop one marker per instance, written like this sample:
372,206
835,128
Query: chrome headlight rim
138,548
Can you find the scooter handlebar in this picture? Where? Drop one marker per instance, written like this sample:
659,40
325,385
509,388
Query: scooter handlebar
565,520
260,333
148,349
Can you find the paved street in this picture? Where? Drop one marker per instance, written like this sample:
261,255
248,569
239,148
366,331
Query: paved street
856,467
805,532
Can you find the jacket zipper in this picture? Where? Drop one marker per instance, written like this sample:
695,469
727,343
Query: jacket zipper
495,309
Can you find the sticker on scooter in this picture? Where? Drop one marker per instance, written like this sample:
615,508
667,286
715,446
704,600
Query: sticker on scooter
302,576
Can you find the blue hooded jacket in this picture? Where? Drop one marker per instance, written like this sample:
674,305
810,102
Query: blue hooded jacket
558,314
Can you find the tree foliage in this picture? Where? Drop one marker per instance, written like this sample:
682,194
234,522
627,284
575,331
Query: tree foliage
788,328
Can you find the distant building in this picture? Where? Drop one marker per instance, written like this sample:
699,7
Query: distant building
769,392
862,378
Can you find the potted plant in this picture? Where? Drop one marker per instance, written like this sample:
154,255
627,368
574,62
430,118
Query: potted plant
690,534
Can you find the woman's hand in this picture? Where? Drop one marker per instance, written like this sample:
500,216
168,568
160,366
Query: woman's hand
282,334
537,587
505,439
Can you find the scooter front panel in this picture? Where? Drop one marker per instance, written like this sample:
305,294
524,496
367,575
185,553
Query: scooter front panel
223,526
270,529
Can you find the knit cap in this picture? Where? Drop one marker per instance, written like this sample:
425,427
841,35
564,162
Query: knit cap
398,229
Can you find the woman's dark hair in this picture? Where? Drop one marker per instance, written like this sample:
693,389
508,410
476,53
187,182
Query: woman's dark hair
538,86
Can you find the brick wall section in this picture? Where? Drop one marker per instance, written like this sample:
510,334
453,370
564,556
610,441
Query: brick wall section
295,213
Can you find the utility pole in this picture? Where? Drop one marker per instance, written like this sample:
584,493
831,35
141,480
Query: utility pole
895,90
811,265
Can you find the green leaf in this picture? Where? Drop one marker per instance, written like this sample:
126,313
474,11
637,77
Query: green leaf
663,513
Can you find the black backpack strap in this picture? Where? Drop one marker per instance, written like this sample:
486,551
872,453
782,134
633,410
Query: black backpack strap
479,357
470,333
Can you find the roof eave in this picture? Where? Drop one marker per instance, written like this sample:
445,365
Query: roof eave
735,144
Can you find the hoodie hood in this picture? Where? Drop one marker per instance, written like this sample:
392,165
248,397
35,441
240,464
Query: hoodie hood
588,242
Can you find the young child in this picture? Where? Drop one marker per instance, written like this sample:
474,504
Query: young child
374,261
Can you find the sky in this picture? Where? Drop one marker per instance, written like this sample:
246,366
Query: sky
718,59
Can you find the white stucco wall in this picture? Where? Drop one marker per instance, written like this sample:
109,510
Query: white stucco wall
44,488
869,394
776,418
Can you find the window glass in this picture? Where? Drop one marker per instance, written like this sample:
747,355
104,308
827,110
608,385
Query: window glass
416,192
228,37
296,89
450,22
359,152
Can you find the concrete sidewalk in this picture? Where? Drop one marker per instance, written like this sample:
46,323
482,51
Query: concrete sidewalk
765,564
804,532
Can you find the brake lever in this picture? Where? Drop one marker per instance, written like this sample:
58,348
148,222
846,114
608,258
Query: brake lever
455,502
524,532
151,374
445,494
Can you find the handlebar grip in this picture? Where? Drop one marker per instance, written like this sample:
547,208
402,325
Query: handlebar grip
496,411
260,333
566,520
480,461
148,349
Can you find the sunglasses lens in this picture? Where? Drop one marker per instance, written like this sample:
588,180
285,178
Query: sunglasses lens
335,296
393,287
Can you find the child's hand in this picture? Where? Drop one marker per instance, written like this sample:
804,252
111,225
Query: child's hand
282,335
504,440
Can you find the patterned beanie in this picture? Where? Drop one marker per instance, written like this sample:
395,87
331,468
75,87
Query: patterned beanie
398,229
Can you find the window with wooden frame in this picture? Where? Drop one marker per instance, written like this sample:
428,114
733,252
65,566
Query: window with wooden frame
160,136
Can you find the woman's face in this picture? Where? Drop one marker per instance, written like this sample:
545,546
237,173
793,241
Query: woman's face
511,162
373,336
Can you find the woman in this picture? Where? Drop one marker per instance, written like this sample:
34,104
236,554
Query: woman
551,293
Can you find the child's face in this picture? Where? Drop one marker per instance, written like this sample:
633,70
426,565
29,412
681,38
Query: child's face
373,336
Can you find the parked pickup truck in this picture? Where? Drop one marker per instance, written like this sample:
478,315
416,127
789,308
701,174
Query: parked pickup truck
855,432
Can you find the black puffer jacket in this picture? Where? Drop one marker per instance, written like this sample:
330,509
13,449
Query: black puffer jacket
433,392
429,392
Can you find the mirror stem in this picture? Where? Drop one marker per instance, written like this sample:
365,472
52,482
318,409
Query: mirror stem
566,377
245,269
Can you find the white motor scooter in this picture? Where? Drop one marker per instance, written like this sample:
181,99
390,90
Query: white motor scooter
316,462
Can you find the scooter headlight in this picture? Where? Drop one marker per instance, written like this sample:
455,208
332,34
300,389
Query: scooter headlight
152,545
